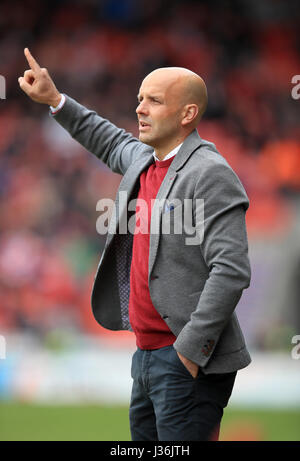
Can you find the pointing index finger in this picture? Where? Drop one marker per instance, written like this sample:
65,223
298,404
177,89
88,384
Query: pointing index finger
31,61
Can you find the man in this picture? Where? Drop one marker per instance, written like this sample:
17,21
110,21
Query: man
177,295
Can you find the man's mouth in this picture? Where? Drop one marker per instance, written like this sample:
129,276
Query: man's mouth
143,125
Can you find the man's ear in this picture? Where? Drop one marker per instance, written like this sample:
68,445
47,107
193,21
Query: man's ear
190,114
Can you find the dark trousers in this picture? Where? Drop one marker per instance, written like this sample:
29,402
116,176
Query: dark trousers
167,403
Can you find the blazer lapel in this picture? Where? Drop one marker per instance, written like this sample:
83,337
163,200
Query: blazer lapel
129,182
124,195
191,143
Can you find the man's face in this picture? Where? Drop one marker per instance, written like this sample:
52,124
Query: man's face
159,110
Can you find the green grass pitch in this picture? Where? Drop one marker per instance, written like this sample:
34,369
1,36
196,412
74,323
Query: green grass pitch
20,421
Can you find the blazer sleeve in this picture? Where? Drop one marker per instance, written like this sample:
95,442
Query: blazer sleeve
114,146
224,247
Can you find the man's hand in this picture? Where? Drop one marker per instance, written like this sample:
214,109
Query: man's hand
192,367
37,83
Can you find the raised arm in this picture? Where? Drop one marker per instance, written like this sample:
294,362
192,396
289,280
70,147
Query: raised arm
114,146
37,83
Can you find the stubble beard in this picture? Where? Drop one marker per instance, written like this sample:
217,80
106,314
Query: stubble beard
147,139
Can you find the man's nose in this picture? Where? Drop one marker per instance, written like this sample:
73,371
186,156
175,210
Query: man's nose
142,108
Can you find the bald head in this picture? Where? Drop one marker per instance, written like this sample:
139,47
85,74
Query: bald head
184,85
172,101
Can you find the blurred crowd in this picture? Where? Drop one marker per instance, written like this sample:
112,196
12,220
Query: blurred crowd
98,52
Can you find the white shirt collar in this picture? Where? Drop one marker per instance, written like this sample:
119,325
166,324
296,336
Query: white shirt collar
170,154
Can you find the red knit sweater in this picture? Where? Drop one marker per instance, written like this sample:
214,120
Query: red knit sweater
150,329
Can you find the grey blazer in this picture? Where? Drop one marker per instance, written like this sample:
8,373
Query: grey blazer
195,288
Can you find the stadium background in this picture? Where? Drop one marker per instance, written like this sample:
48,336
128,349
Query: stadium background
63,377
